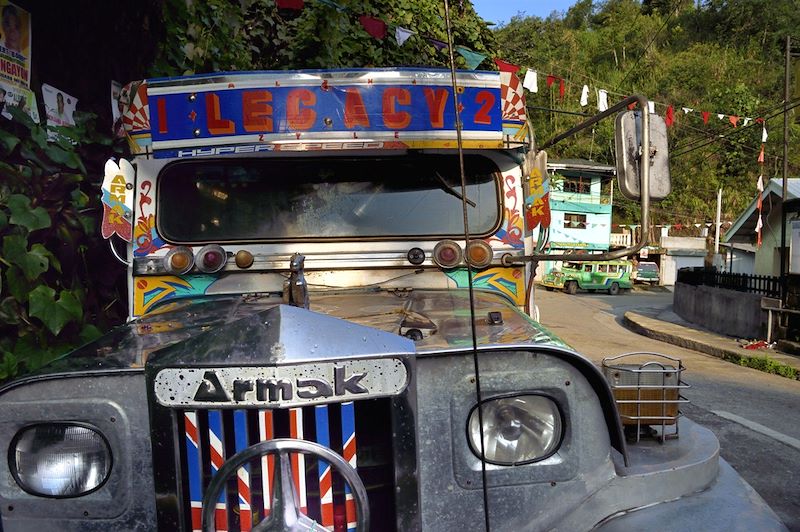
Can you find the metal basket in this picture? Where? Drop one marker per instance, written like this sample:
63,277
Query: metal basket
647,389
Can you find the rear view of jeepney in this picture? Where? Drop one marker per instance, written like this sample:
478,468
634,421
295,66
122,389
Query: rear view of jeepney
330,289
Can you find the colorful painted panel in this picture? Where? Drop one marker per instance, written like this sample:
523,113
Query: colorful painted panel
148,291
117,199
508,281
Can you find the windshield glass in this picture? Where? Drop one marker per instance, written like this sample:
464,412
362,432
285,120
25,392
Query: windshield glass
268,199
647,267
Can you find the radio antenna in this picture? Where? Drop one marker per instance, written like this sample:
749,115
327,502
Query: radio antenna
464,201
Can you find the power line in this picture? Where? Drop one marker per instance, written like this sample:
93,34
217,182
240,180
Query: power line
644,52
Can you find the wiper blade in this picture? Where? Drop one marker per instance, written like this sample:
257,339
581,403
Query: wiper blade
450,190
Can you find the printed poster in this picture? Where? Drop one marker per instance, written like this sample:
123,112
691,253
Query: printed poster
59,106
16,96
15,44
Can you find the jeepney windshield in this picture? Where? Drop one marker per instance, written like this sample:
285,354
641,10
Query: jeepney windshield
318,198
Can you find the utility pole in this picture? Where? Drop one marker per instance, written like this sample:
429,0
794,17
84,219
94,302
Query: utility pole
784,254
718,222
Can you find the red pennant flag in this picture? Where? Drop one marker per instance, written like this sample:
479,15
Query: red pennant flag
561,88
669,119
550,79
289,4
505,66
374,26
678,227
706,114
759,120
733,120
761,154
631,106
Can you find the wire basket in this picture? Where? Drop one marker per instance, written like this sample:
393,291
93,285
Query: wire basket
647,389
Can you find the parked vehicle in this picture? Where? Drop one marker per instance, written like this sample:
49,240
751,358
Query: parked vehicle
315,343
605,275
646,272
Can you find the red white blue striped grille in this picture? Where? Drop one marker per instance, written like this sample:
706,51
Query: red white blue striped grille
212,436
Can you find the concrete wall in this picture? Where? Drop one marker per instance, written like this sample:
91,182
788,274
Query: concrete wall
670,264
724,311
742,261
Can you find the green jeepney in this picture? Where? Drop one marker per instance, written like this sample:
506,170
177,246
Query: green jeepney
611,275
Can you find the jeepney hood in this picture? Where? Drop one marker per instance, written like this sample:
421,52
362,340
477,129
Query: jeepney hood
230,330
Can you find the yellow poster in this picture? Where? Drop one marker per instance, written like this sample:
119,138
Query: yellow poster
15,44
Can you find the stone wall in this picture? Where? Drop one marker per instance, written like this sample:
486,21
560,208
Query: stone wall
720,310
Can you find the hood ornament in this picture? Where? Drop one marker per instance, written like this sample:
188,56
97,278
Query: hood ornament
295,288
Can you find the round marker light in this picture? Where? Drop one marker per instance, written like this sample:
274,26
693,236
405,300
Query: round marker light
447,254
243,258
179,260
479,254
211,258
516,430
59,460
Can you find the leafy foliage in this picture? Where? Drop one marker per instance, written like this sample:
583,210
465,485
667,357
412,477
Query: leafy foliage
211,36
55,287
718,56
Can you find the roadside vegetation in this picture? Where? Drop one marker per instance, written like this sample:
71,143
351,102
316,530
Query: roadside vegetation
720,56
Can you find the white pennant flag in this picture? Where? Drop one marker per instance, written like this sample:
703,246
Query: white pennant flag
760,184
602,100
585,96
531,81
687,110
763,134
759,224
721,117
651,106
747,120
402,35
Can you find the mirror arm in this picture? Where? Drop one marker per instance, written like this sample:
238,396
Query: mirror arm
644,186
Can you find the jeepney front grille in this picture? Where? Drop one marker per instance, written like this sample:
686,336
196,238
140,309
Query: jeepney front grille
359,431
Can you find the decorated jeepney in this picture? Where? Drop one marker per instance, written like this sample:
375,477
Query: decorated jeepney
332,328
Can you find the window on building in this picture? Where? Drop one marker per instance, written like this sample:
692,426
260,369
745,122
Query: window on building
574,221
578,185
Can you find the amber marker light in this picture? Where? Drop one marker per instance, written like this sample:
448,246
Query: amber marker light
243,258
211,258
479,254
447,254
179,260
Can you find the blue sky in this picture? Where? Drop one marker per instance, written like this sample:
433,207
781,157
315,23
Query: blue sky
501,11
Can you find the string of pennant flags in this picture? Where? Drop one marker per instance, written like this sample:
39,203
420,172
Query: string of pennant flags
380,29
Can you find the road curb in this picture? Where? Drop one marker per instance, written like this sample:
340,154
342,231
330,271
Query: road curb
698,340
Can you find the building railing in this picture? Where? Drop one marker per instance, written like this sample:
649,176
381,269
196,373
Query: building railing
767,285
622,240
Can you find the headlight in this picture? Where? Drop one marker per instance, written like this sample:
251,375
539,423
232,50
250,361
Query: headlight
59,459
516,430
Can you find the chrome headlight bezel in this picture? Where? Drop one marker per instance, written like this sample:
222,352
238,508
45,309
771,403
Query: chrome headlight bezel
27,488
552,448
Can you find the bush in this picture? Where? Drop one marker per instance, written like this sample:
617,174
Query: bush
58,287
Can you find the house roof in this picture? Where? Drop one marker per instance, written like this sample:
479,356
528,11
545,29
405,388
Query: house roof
744,228
581,165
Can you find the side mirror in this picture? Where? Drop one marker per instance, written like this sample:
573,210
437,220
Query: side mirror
628,144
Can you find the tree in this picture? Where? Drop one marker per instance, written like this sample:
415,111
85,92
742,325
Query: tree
211,36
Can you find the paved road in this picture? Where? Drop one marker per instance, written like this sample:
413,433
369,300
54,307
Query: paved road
755,415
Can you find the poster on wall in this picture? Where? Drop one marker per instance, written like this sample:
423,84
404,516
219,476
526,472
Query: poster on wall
59,106
15,44
16,96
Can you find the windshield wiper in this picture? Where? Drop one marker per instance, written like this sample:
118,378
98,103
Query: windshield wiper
450,190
